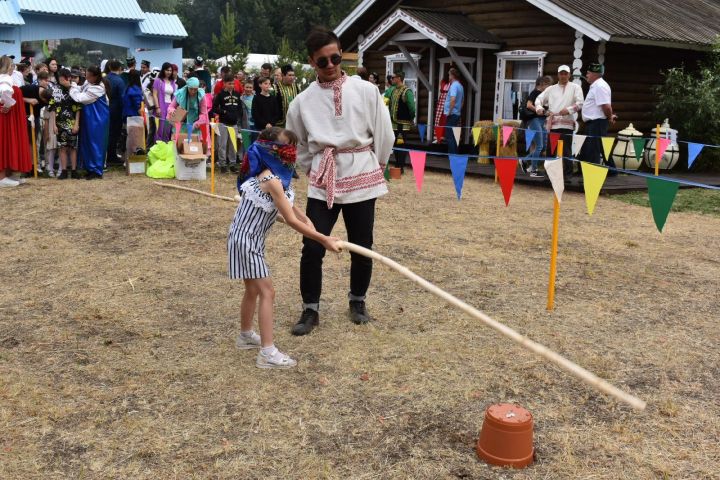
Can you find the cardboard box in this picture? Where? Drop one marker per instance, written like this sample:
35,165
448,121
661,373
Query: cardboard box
178,115
135,164
192,148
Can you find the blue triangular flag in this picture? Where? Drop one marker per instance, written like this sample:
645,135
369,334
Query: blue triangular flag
693,151
529,136
422,129
458,165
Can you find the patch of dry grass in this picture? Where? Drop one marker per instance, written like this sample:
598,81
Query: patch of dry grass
117,327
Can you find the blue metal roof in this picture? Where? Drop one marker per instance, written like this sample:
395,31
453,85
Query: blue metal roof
162,25
114,9
9,16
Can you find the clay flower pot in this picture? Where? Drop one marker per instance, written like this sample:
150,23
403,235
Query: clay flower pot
506,438
395,173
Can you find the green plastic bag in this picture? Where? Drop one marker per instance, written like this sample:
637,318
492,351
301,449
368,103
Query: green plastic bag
161,160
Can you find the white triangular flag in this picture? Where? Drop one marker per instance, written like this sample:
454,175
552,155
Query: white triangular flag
577,144
456,132
554,171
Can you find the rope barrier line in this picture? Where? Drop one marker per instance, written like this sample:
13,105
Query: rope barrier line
563,363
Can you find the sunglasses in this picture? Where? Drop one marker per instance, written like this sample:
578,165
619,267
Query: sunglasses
323,62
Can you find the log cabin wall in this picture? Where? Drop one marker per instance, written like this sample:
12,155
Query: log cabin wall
631,70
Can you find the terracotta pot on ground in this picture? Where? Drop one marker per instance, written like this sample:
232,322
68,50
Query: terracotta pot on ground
395,173
506,438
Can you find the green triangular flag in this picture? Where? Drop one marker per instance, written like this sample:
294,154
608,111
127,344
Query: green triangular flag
246,140
495,132
386,173
639,146
662,195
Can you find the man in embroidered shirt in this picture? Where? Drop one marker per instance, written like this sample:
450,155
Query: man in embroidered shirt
597,113
286,91
562,101
345,139
402,113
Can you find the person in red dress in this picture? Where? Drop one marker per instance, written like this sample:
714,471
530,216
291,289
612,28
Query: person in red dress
14,143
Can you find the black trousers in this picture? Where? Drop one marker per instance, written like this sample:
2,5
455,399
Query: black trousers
114,134
400,156
566,135
359,222
592,148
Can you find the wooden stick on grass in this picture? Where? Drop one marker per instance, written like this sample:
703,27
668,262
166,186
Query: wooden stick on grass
560,361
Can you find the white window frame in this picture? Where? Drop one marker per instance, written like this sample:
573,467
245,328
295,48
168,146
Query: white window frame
500,80
391,61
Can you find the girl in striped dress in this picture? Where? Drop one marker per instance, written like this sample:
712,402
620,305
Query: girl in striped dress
266,173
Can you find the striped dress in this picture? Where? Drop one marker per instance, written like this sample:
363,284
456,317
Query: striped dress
246,238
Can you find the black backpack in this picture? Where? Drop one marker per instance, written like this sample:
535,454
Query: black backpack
524,112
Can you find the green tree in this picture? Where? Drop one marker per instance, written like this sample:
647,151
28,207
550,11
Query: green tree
226,43
158,6
691,102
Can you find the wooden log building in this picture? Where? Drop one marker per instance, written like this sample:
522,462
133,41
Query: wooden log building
502,46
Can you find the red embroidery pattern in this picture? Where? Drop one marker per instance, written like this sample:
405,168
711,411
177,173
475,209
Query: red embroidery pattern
336,85
325,176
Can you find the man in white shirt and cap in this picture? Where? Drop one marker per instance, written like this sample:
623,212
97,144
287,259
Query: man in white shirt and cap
344,141
597,113
562,102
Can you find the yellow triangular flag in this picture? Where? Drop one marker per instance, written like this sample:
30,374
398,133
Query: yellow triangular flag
476,135
593,179
607,143
157,123
233,137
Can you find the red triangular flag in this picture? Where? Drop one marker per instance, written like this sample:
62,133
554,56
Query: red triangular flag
417,160
554,137
663,144
506,174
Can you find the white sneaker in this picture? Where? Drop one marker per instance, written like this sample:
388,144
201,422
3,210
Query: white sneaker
8,182
20,180
247,343
276,360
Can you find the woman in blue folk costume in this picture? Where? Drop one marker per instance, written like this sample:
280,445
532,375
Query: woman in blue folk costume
265,178
190,98
94,122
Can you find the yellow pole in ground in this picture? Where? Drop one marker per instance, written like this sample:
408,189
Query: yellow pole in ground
34,147
554,249
657,150
497,148
212,158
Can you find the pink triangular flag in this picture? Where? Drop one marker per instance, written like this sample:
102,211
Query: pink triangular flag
663,144
506,132
417,160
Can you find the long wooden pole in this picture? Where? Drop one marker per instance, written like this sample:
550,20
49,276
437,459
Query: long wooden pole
563,363
554,248
657,150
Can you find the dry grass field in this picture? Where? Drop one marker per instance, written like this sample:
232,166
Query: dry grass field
117,327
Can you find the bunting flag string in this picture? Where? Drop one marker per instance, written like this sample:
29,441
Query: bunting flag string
506,132
529,137
639,146
476,135
662,146
506,168
456,132
554,171
577,143
693,151
593,180
661,194
458,165
607,143
554,137
417,160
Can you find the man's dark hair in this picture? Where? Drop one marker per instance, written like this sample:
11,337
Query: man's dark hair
266,66
286,68
273,133
114,65
263,80
389,78
228,78
64,72
318,38
134,78
400,74
225,69
453,71
43,75
363,73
